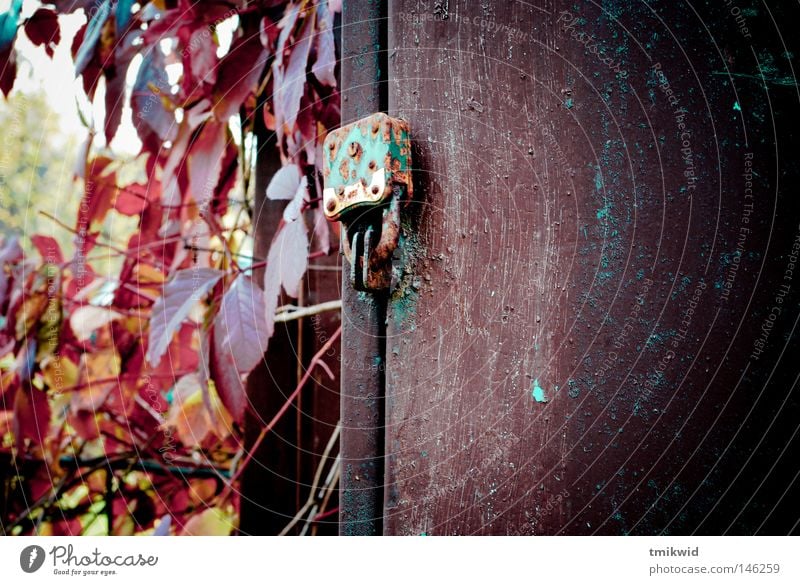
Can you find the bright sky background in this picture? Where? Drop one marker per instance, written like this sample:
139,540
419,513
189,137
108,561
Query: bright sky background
36,72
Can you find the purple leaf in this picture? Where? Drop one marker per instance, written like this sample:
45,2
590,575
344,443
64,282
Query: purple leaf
239,341
154,122
292,211
239,328
288,258
92,35
205,161
284,183
293,81
163,526
325,62
169,311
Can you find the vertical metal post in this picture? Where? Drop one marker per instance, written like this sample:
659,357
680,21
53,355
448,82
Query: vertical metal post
363,70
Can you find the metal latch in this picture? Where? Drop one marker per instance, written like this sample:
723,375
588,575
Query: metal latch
367,180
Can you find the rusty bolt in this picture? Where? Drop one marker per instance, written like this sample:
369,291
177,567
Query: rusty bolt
331,204
375,189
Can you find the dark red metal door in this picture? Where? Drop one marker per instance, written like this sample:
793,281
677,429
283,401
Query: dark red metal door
576,343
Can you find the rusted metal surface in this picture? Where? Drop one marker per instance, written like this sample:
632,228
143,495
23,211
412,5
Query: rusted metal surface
361,489
575,343
365,161
367,177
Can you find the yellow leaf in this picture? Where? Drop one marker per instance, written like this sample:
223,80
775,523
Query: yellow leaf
59,372
189,415
210,522
100,364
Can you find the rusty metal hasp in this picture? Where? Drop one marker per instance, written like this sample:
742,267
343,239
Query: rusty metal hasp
367,179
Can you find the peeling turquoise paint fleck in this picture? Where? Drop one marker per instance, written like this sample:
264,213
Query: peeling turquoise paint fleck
737,107
538,392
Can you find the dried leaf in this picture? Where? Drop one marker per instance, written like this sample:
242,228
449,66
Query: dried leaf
169,311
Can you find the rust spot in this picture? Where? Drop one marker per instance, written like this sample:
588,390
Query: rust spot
331,204
354,150
372,165
344,169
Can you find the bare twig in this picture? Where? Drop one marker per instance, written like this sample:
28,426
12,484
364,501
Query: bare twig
301,312
257,443
311,502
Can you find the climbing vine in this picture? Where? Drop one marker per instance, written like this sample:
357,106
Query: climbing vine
122,393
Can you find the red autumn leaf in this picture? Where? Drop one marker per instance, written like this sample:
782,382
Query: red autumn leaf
99,194
134,198
31,415
42,29
169,311
239,342
239,72
93,70
284,183
8,69
48,248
